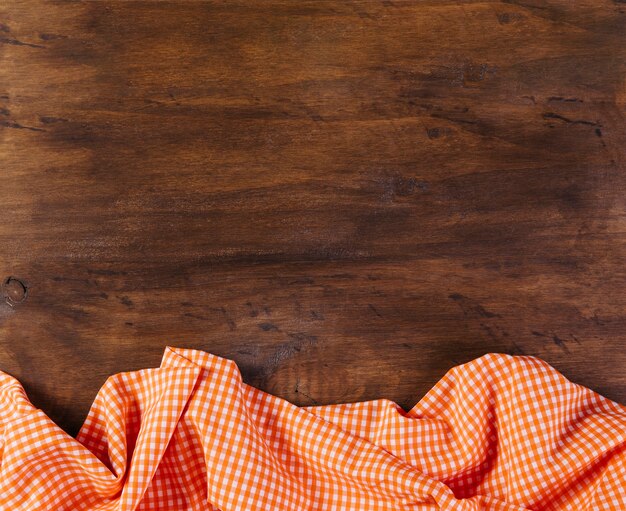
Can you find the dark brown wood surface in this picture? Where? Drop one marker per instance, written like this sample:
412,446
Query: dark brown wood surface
345,197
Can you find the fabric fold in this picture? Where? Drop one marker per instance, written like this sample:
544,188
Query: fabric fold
131,423
499,433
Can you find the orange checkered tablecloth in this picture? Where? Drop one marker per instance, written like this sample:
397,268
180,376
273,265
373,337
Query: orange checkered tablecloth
498,433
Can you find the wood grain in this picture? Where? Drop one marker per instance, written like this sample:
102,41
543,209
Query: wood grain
345,197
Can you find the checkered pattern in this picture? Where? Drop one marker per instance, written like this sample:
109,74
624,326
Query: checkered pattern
498,433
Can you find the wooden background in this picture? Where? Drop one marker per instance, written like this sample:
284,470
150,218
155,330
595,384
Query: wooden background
345,197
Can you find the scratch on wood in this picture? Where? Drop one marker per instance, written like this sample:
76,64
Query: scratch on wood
558,341
195,316
51,120
298,390
317,315
565,100
374,310
469,305
229,321
51,37
266,327
15,42
552,115
15,125
126,301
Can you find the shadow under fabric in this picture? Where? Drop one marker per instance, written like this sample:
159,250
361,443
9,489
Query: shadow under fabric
498,433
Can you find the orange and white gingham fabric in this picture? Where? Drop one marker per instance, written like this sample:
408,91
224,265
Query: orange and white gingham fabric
498,433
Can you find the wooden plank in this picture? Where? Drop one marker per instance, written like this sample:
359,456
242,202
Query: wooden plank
346,198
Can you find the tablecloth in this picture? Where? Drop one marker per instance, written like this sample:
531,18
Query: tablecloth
498,433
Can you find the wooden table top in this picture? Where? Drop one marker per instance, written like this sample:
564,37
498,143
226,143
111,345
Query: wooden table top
346,198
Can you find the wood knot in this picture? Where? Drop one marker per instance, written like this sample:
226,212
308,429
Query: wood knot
14,291
433,133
